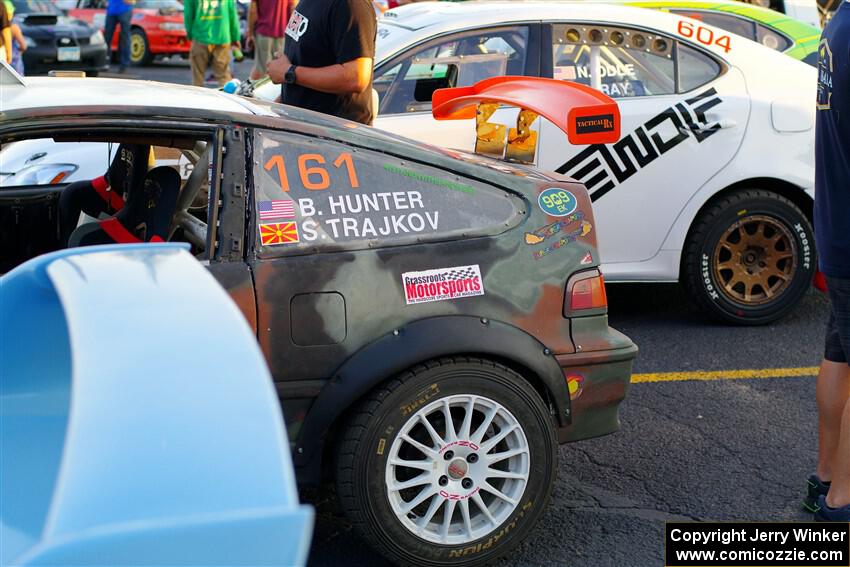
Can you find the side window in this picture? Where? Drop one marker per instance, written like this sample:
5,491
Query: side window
620,62
771,39
407,83
695,68
728,22
312,196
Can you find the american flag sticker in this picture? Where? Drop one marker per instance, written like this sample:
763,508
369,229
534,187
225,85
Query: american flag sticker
273,210
442,284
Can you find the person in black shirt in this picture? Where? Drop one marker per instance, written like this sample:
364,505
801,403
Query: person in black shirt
832,234
328,58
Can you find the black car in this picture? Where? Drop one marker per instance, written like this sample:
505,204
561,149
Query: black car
56,42
435,322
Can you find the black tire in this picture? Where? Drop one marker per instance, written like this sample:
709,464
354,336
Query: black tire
717,278
367,441
141,55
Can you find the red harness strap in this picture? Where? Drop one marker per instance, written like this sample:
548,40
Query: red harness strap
112,198
121,235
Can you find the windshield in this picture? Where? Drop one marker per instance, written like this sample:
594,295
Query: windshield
35,7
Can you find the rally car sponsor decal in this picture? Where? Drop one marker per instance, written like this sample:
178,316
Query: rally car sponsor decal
601,170
575,385
442,284
541,234
582,230
595,124
557,202
587,259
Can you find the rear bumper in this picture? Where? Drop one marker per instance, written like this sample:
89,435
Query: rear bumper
163,42
598,382
43,58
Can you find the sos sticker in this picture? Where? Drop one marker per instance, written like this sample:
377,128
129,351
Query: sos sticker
557,202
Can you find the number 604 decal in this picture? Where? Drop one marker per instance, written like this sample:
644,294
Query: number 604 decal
704,35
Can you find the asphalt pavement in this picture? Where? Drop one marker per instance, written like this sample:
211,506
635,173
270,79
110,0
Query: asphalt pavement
729,448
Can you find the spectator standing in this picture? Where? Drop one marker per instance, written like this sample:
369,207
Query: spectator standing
266,25
119,12
328,58
19,45
5,34
830,487
213,28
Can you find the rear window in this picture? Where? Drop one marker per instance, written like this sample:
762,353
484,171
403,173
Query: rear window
321,197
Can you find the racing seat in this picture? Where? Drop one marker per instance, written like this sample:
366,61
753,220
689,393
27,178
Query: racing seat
146,216
105,194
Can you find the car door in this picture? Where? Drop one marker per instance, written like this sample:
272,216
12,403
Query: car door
406,82
684,114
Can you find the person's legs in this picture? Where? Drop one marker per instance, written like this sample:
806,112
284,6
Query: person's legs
262,46
221,64
124,39
836,429
839,491
833,390
108,32
199,57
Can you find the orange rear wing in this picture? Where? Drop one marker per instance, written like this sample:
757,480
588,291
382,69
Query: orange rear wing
586,115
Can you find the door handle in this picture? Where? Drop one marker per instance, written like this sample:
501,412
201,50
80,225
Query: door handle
721,124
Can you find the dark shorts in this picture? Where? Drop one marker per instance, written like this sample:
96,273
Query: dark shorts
838,328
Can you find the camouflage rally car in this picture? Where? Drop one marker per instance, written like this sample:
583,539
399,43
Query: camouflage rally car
435,322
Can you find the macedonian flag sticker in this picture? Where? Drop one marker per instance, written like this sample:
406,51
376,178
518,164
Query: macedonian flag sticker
276,233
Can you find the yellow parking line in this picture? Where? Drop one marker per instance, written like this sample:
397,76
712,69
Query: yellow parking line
725,374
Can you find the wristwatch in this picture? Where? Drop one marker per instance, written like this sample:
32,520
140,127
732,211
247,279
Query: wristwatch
289,76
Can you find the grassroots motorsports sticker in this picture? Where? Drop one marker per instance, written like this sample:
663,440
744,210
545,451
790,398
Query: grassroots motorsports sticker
442,284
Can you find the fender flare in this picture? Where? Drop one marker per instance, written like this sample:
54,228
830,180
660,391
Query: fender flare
412,344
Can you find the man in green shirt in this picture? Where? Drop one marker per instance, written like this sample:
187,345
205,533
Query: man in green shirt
213,27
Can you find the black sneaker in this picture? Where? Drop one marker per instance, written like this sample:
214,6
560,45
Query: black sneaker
815,488
826,514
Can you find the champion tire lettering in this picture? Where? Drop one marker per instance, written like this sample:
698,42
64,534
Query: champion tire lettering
362,473
709,276
601,170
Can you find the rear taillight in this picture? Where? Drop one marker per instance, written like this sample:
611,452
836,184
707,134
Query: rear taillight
585,291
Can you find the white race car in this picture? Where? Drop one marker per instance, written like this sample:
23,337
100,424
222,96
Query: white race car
712,181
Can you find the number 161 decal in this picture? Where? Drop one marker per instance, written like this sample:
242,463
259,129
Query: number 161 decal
704,35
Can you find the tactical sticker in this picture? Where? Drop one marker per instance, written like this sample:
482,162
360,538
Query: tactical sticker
274,234
587,260
442,284
346,198
541,234
583,230
595,124
557,202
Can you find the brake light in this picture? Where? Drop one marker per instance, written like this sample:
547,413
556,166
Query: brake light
588,293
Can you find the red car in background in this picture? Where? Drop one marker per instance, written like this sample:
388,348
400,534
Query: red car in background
157,27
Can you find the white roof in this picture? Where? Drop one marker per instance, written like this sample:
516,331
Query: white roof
59,92
419,21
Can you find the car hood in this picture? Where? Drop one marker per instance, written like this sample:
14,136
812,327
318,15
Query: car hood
37,26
